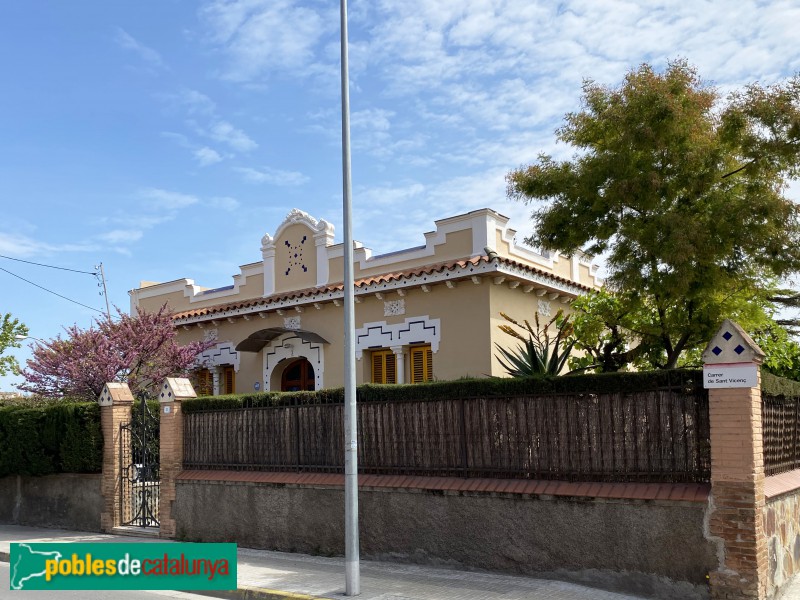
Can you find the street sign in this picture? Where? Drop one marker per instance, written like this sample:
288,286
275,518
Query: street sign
743,375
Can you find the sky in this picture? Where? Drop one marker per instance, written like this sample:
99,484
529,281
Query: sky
164,138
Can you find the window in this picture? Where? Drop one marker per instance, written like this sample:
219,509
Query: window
421,364
204,382
229,380
384,367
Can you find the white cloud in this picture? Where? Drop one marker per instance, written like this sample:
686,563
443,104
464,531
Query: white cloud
258,36
128,42
207,156
22,246
121,236
189,100
271,176
224,132
224,203
165,200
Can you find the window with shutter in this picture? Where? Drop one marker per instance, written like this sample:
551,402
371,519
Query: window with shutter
229,377
421,364
384,367
204,382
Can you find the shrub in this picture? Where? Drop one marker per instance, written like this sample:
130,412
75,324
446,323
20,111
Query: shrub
52,438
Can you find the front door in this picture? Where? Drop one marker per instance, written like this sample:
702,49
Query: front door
298,376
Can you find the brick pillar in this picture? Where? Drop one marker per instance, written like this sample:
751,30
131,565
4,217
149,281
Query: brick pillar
172,392
115,409
732,374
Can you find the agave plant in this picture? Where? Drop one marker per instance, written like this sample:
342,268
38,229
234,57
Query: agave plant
538,354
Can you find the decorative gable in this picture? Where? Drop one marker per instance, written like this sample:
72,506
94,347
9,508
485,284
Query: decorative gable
296,257
731,344
115,393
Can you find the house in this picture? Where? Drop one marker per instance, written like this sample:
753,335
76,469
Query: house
428,312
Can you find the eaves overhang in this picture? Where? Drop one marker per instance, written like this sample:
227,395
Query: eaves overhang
472,269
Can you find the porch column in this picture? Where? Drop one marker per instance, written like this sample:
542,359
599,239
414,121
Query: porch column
733,378
173,391
400,363
115,402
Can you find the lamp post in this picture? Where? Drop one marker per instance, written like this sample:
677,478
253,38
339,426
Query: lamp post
352,567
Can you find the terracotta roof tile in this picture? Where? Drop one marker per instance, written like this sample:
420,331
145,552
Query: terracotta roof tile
367,281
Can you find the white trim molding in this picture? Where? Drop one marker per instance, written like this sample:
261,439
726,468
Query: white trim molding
287,346
414,330
223,353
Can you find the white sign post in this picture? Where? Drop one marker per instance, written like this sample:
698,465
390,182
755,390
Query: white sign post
731,375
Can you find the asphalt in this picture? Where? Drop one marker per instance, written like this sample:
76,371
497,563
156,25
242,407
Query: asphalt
265,575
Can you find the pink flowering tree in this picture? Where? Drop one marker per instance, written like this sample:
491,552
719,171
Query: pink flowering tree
139,350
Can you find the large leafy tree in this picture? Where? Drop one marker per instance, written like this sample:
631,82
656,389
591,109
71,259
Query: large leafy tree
10,328
683,191
137,349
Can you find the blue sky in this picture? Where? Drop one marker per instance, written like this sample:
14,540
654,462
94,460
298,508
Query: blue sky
164,138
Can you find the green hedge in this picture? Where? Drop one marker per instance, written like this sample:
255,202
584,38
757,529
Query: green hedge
461,388
771,385
51,438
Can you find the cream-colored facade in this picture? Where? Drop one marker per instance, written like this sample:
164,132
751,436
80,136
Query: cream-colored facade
426,312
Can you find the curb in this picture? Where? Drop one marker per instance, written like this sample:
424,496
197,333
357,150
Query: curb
246,592
243,592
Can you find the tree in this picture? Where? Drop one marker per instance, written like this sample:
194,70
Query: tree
685,194
140,350
10,328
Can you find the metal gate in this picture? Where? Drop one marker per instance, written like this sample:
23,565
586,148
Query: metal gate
139,475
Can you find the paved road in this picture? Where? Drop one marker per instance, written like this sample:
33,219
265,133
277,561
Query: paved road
7,594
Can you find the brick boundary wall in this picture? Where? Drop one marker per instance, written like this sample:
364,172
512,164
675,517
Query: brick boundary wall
115,408
173,391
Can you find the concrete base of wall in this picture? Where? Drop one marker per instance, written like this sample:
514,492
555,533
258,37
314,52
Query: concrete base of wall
66,501
651,548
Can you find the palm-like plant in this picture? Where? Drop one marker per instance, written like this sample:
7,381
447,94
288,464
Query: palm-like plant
539,354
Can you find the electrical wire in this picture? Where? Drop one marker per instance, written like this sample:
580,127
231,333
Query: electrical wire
49,266
51,291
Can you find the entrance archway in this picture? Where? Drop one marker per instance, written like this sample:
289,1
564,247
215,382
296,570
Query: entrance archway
298,376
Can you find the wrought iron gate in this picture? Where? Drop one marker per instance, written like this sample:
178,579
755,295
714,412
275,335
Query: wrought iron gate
139,475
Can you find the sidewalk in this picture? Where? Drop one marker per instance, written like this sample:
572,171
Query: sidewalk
267,575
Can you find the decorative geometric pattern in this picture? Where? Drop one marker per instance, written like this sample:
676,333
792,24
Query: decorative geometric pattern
295,256
545,308
211,335
732,344
292,323
393,308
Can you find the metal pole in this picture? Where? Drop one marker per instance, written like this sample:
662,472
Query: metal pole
352,568
105,291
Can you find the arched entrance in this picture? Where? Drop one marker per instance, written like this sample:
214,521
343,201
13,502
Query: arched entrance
298,376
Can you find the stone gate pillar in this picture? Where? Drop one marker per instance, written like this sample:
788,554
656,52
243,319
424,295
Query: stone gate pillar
115,409
172,392
732,375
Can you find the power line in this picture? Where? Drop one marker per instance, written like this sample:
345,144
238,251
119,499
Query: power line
49,266
51,291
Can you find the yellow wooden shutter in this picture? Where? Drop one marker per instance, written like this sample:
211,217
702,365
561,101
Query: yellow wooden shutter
384,367
390,368
230,380
421,364
204,382
377,367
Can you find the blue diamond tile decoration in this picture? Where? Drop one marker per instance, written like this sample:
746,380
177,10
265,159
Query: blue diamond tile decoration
739,349
717,350
727,335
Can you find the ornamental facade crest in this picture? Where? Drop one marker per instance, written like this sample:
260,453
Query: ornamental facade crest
295,217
